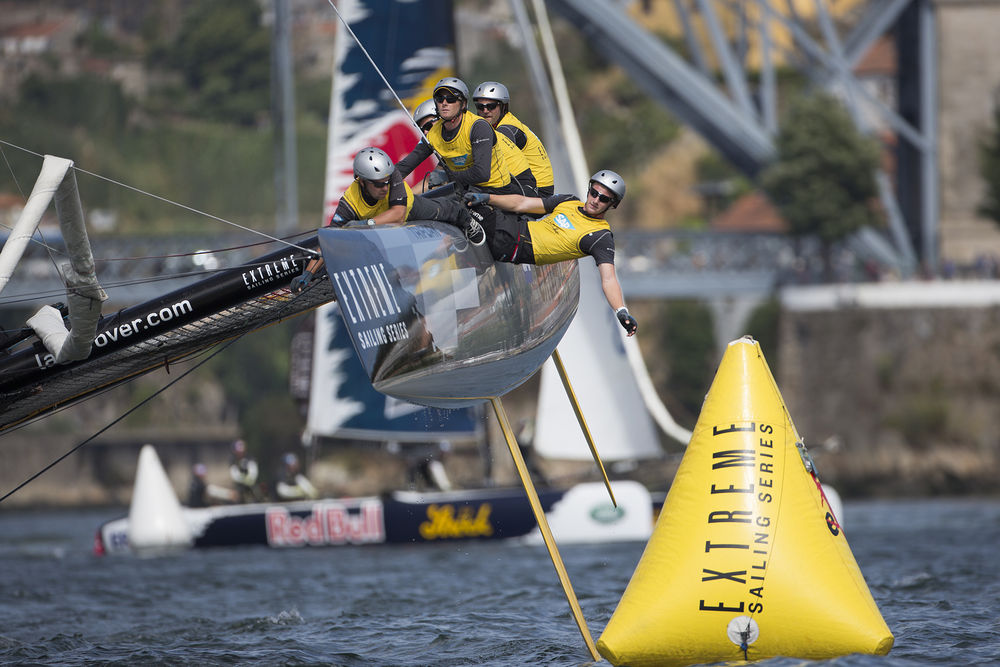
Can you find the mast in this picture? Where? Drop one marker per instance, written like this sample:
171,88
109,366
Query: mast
283,111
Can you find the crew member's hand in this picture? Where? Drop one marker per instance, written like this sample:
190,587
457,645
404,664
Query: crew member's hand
436,178
299,283
361,223
628,322
476,198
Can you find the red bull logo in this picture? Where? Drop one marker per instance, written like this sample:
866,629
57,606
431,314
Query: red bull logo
328,524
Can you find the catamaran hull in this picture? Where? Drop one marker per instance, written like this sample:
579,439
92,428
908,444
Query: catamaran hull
582,513
154,334
435,321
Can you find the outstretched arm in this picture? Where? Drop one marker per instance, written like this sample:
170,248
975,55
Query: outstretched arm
512,203
420,152
613,293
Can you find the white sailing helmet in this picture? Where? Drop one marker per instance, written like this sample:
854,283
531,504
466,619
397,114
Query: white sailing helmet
492,90
455,84
613,182
423,110
372,164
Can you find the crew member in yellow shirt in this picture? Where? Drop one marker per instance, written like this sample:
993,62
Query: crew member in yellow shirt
471,152
379,195
492,100
567,229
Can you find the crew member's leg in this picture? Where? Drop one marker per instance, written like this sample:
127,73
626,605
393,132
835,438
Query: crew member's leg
447,209
503,232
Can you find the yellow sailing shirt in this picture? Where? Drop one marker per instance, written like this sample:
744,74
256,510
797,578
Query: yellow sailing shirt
356,200
533,150
556,237
512,155
457,153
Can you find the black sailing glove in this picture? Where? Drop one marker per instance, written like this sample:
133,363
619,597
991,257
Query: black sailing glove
476,198
299,283
628,322
436,178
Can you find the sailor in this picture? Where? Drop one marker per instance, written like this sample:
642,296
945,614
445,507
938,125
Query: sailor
379,195
201,493
294,485
473,153
244,472
425,115
567,229
492,101
198,489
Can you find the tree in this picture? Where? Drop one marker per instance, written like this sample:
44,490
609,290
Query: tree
687,344
223,53
253,372
989,169
823,180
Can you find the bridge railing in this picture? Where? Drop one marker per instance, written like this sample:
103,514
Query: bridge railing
660,264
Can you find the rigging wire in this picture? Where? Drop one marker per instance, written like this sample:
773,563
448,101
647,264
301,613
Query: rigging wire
61,291
190,209
388,85
111,284
51,251
125,414
221,348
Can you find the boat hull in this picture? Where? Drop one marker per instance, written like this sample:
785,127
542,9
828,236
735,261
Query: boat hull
582,513
435,321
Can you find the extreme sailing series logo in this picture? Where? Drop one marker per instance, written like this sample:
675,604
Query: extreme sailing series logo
367,300
279,269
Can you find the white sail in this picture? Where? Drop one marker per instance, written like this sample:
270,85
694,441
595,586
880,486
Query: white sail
342,402
610,381
603,382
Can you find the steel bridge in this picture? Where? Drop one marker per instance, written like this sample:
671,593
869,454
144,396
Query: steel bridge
651,265
712,86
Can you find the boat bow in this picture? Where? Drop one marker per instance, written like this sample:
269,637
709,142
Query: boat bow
435,321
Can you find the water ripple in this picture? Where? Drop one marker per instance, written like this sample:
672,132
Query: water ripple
931,567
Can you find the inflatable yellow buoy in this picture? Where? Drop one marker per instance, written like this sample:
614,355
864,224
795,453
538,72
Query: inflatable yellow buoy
747,560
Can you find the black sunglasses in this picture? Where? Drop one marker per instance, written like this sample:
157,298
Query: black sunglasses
379,184
604,199
426,127
489,106
445,97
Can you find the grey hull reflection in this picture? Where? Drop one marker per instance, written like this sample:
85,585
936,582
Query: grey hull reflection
436,321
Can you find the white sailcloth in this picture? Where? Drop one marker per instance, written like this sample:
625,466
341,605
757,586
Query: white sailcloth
604,384
342,402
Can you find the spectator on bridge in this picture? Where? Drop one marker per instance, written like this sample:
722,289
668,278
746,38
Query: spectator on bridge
568,229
